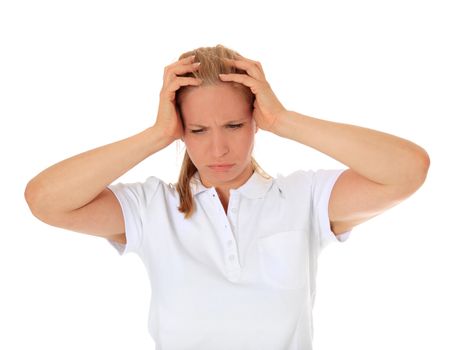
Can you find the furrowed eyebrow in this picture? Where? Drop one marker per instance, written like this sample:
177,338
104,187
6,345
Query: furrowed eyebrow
229,122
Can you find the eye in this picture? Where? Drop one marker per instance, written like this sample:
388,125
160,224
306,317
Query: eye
235,126
231,126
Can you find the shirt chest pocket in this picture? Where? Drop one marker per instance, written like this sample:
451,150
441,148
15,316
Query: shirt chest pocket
283,259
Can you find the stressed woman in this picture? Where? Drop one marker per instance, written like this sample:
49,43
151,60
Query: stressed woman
231,252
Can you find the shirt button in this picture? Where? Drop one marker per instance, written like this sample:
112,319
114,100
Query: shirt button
234,210
231,257
229,243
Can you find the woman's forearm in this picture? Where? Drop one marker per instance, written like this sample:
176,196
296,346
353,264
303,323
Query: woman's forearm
378,156
74,182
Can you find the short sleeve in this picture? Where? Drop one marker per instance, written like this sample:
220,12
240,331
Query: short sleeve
133,198
322,185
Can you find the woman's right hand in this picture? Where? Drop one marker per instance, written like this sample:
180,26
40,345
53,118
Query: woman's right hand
168,120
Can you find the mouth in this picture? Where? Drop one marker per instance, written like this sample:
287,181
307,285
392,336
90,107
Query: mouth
221,167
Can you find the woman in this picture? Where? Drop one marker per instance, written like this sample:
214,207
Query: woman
231,252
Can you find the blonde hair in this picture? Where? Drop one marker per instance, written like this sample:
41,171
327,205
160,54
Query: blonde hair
211,64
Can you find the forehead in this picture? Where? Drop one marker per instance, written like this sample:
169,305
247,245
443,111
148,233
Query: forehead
214,103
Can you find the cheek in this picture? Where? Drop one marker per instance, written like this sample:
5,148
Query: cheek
244,142
191,141
196,149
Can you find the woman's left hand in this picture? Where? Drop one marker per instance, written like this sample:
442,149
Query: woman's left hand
267,108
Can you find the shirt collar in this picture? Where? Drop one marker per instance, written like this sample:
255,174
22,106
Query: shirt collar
255,187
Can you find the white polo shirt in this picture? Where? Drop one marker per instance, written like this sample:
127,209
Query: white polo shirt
245,280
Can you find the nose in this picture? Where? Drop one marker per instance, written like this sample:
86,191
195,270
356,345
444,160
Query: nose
219,144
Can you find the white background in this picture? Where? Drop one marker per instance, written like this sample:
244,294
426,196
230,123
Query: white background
75,75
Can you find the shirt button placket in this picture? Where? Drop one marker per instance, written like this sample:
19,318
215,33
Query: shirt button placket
230,248
232,255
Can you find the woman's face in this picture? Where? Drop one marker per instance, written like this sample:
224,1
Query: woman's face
219,128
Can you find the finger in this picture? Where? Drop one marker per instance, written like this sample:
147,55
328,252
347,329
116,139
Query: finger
242,79
185,60
184,81
171,72
249,66
243,58
257,63
170,89
185,68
